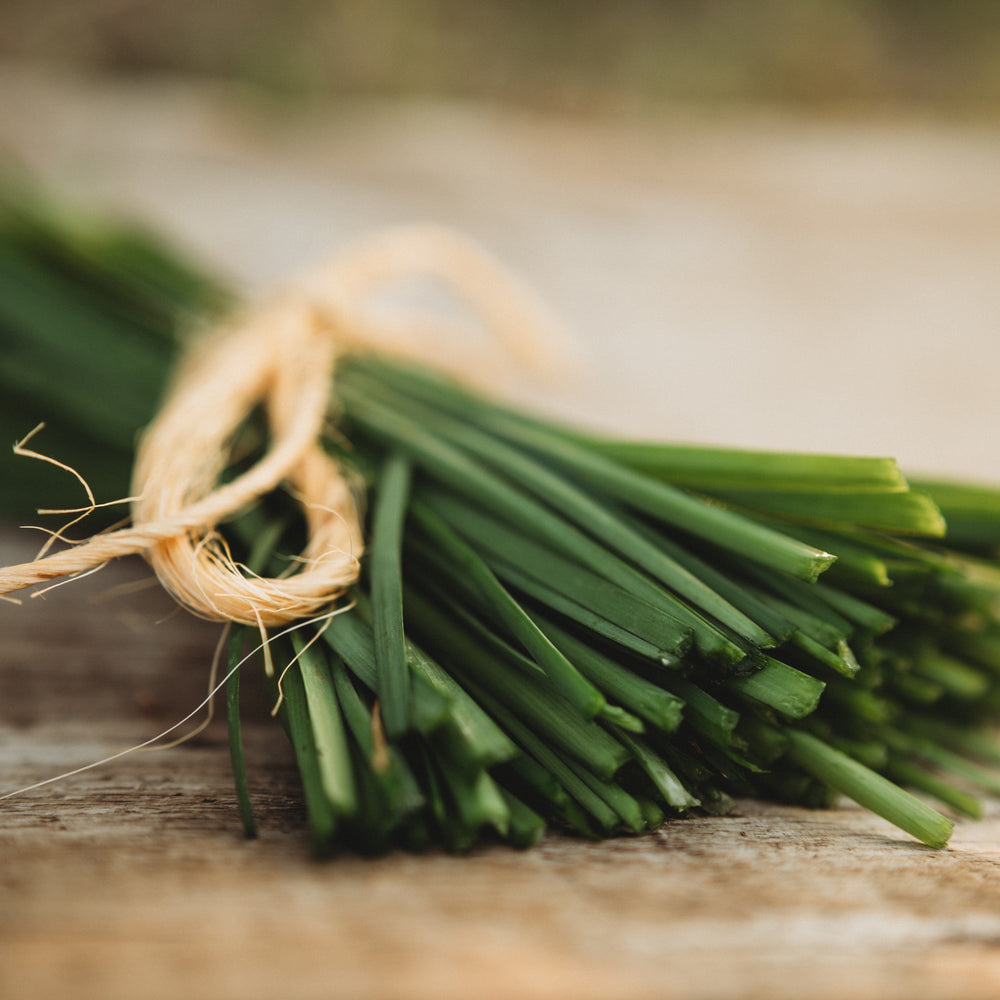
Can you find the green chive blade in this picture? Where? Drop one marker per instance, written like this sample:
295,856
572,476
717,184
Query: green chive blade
387,602
869,789
235,655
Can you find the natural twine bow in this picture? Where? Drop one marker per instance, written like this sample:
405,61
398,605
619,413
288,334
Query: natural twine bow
281,357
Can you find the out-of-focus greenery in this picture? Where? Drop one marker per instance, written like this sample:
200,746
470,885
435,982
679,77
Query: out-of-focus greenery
579,54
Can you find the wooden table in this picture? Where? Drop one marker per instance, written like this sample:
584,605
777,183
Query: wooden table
132,879
714,267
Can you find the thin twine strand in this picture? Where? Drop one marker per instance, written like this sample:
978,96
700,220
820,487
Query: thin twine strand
150,744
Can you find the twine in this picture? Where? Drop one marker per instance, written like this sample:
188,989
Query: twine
281,357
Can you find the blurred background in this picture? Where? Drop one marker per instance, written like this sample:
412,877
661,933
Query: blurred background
772,224
566,55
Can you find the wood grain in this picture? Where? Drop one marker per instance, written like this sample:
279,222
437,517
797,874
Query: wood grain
133,879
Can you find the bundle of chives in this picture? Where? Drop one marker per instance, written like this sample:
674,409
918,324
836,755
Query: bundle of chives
550,627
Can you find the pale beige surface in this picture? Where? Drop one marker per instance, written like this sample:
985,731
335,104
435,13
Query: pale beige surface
758,281
749,278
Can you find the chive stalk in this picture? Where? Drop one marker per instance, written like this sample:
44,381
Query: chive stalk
387,600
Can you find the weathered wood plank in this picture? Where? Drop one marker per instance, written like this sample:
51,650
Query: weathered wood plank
133,878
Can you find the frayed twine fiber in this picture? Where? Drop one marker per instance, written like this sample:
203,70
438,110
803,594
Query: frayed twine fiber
281,356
